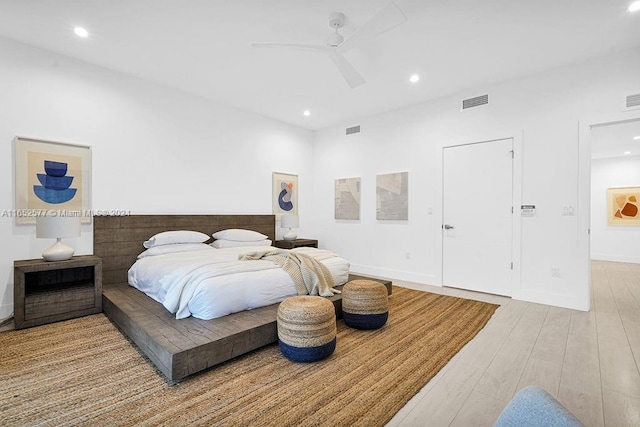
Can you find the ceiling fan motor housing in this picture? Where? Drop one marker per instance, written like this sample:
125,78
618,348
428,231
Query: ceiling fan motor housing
336,20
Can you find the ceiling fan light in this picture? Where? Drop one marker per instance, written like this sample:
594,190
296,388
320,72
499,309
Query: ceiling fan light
335,39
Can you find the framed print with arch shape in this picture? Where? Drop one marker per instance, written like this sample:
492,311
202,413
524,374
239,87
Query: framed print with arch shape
285,194
51,177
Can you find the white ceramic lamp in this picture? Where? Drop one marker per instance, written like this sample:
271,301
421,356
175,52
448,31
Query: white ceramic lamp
289,221
57,227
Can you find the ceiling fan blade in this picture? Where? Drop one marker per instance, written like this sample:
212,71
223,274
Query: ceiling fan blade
350,74
386,19
298,46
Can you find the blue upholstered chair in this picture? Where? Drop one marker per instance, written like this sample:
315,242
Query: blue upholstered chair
534,407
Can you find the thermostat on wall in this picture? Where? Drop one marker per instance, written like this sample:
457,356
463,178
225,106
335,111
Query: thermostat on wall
527,210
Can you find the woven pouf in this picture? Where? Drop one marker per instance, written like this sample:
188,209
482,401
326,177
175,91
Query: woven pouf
365,304
306,328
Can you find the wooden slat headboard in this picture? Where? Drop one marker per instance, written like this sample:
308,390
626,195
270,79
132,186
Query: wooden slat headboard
118,239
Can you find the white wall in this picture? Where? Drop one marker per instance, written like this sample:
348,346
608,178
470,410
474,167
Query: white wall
613,243
224,158
543,111
155,150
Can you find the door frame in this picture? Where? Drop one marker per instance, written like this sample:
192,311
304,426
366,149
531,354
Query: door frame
584,193
516,234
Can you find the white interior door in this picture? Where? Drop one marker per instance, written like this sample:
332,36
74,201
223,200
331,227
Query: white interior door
477,216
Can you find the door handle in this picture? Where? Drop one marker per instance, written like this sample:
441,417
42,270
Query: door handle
447,227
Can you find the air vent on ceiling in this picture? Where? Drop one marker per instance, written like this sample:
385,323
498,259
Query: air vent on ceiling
475,102
353,129
633,100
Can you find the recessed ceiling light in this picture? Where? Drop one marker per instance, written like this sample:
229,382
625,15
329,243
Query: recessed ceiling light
636,137
307,113
81,32
626,153
414,78
634,7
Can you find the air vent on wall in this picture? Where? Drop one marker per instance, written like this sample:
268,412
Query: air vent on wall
475,102
633,100
353,129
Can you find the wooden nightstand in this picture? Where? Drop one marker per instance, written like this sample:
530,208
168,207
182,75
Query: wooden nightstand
290,244
50,291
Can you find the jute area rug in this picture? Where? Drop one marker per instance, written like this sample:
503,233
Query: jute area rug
84,372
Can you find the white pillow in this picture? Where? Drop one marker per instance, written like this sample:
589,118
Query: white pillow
174,248
171,237
221,244
239,235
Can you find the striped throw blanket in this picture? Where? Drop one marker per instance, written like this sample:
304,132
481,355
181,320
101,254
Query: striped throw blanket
310,276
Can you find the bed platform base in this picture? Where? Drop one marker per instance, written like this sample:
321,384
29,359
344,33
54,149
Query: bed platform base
179,348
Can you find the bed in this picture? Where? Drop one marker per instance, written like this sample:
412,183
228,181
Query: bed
179,347
196,279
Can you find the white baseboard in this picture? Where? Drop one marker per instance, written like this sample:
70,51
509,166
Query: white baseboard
556,300
367,270
615,258
6,311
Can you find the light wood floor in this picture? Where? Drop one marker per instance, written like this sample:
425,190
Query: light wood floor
587,360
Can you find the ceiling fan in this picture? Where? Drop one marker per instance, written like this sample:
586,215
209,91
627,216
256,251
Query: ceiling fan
386,19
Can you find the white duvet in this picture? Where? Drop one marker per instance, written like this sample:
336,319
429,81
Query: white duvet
212,283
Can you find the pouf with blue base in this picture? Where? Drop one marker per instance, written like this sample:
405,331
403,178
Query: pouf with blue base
306,328
365,304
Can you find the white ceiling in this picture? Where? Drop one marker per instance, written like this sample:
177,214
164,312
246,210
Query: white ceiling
204,47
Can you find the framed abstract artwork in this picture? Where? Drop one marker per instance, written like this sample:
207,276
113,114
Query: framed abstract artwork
347,198
392,196
285,194
622,206
52,178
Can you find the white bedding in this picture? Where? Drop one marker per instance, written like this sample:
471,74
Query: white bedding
212,283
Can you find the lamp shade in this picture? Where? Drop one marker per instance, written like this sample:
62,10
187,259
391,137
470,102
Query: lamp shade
289,221
57,226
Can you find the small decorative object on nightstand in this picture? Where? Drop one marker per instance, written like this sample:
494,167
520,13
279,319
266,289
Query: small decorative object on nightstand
291,244
50,291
